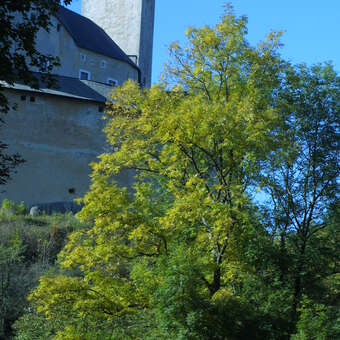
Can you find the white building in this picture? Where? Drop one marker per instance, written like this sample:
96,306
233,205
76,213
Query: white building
58,130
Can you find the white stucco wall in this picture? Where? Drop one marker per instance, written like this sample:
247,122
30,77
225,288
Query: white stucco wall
114,69
130,23
73,59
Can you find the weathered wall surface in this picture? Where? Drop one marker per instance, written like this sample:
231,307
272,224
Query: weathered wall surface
146,40
58,42
58,137
130,23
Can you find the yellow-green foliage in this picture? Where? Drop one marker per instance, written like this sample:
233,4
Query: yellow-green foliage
177,255
195,147
8,207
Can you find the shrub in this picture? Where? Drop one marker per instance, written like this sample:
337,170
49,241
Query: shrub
40,239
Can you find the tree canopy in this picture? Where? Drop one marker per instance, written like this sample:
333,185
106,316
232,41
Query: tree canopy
189,252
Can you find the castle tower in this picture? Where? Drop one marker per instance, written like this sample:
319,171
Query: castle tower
130,24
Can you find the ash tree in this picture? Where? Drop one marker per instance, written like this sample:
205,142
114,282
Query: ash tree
20,22
186,253
167,251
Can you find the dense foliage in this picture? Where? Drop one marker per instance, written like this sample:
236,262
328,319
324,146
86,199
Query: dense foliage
28,248
190,252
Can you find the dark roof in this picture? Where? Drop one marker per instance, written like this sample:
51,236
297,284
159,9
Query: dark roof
90,36
63,86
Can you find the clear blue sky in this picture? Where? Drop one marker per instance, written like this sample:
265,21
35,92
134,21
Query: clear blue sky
312,27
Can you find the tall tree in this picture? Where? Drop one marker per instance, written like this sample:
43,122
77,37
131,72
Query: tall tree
20,22
302,177
168,250
185,254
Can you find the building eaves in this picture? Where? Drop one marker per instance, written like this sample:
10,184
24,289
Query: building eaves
62,86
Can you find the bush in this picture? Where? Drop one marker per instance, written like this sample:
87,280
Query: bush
8,207
36,241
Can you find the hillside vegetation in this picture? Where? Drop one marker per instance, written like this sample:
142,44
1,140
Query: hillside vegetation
28,249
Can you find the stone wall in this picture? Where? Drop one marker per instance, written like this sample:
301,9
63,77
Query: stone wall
58,137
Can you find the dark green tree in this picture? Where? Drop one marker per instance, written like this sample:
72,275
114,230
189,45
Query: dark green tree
302,179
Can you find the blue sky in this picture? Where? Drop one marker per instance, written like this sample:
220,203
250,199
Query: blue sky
312,27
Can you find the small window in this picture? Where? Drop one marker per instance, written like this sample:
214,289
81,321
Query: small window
84,75
58,27
32,99
72,191
101,108
23,98
103,64
82,57
92,62
112,82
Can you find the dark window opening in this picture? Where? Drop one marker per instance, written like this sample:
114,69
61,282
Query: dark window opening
112,82
72,191
101,108
84,75
58,27
23,98
32,99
